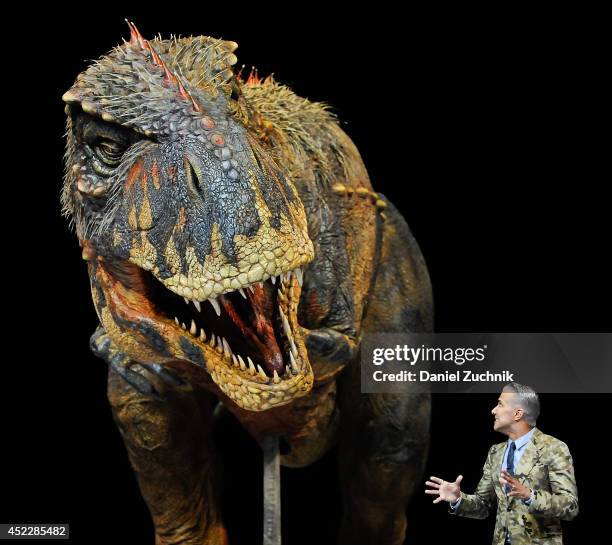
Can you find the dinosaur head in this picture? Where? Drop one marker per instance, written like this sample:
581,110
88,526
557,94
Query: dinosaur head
195,236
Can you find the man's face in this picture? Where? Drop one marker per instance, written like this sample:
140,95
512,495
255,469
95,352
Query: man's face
505,412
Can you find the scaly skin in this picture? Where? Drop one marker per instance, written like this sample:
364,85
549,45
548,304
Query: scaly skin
237,252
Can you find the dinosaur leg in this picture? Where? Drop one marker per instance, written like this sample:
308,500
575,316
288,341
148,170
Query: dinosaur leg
382,453
169,445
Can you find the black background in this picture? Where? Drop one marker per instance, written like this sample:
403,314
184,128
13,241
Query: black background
484,129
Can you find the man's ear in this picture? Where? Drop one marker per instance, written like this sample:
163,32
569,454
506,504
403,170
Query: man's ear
518,414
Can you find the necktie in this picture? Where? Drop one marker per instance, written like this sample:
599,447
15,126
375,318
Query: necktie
510,464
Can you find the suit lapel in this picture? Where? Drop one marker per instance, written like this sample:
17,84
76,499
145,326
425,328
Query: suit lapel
530,456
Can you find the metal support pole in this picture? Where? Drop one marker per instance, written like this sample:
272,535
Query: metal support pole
271,492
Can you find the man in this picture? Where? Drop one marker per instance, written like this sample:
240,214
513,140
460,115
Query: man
531,475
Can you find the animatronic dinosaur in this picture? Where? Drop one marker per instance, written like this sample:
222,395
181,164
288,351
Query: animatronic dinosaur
237,253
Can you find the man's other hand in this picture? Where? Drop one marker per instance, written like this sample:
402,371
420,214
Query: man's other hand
517,490
446,491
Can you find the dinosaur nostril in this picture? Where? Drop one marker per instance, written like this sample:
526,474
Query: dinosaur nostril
191,173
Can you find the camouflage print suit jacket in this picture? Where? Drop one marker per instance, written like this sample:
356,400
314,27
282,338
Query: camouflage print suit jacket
547,468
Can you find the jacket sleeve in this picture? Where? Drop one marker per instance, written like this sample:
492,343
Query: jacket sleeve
562,499
479,504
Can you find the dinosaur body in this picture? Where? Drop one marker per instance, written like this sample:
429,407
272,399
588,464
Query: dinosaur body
237,253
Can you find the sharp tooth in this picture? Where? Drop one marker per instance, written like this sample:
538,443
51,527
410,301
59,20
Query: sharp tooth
275,378
293,348
250,287
184,326
197,305
293,364
235,361
215,304
193,330
260,284
285,324
287,371
242,364
242,293
298,273
202,335
251,366
177,321
213,340
273,279
186,300
262,373
226,348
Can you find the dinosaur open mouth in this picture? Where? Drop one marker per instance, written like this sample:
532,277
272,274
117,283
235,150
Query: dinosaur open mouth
249,326
248,339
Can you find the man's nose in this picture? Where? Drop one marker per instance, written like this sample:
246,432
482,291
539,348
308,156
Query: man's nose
493,410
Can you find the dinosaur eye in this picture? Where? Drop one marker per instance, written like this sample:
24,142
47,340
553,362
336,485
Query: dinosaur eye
109,152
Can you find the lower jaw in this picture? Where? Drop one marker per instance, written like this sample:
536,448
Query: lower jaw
260,397
256,391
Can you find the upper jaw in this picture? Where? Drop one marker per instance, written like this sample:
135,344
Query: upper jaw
187,285
200,277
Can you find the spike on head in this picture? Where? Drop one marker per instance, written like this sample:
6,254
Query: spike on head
170,77
136,38
156,58
238,76
253,78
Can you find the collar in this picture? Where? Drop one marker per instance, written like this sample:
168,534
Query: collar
521,441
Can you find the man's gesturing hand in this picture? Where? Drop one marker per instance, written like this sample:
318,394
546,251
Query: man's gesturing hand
517,490
446,491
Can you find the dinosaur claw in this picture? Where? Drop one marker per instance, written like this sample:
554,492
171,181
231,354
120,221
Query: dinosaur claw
130,373
329,345
134,373
99,343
